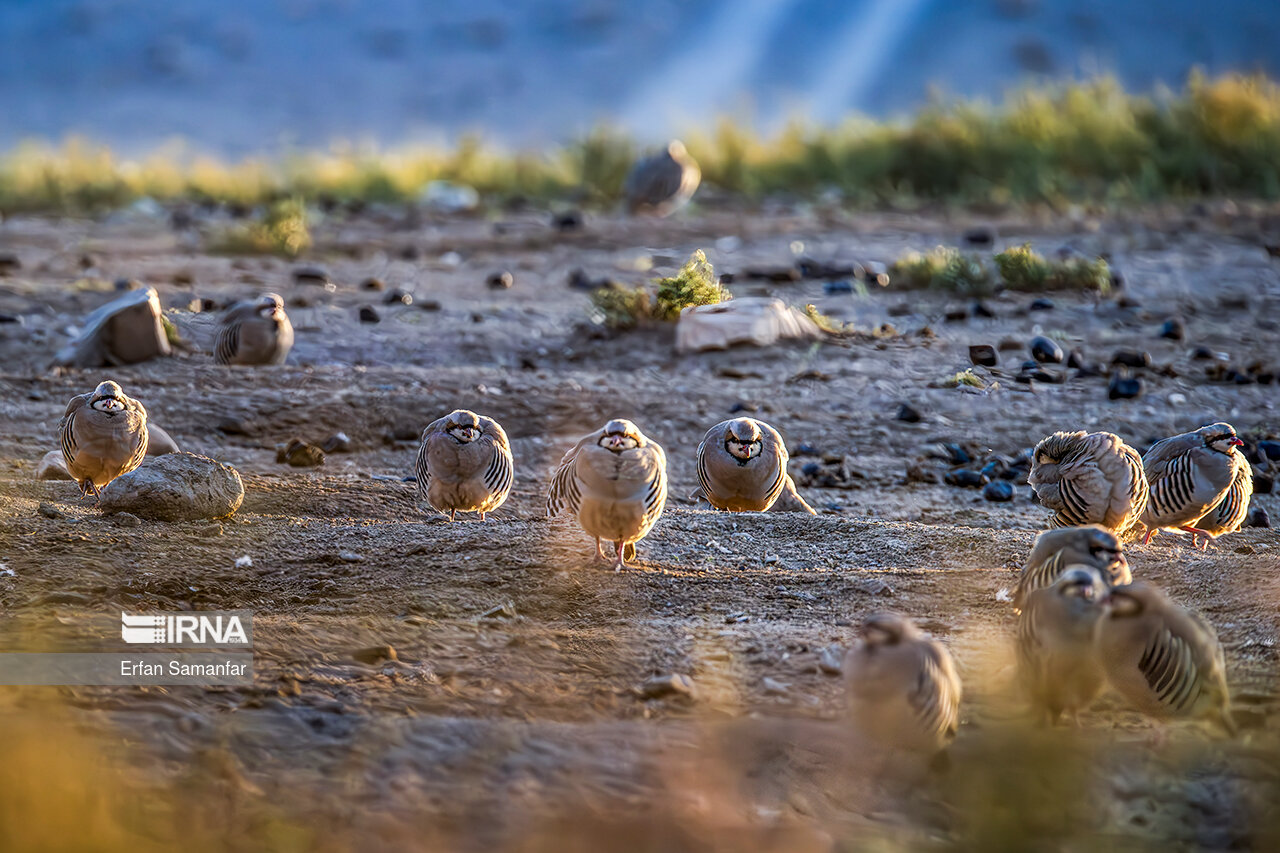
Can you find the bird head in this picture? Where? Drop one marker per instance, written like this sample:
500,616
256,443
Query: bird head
1220,437
108,397
1103,547
743,439
270,306
1131,600
1081,583
886,629
1052,451
463,426
620,434
676,149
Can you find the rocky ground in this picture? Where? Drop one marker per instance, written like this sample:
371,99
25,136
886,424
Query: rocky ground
514,713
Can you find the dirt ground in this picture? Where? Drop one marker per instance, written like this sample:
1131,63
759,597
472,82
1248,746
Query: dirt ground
524,727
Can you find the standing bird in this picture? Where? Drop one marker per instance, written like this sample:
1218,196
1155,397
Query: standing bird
1165,659
103,435
1233,509
257,332
742,466
1092,546
464,464
615,481
661,184
1057,643
903,688
1189,475
1092,478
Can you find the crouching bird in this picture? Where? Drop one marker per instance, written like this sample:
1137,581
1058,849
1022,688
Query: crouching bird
103,435
464,464
1092,546
742,467
1189,475
615,482
255,332
663,183
1057,643
1092,478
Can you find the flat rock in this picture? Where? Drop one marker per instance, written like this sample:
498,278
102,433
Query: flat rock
52,467
667,685
176,487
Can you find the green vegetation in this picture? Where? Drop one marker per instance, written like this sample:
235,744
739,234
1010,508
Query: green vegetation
1019,268
1088,142
943,268
620,307
282,230
826,322
1022,268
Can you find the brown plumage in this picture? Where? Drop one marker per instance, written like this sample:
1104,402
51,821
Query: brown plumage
1189,475
103,434
663,183
742,466
1163,658
255,332
1092,545
1057,643
464,464
903,689
615,481
1233,509
1092,478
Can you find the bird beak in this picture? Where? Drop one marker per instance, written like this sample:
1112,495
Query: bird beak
1235,442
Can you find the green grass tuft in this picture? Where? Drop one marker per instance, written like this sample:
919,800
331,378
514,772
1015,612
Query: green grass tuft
695,284
282,230
943,268
1022,268
620,307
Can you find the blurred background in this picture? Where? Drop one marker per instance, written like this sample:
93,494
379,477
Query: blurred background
242,77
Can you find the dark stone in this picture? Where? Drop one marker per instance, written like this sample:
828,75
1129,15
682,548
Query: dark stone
410,253
430,305
965,479
956,454
398,296
1046,351
1128,303
1041,304
9,263
299,454
981,237
1117,279
1075,358
1123,388
1174,330
311,275
1263,484
998,491
567,220
832,288
804,449
339,442
372,283
909,414
1258,518
368,315
995,469
957,315
749,408
1040,374
982,309
579,280
1269,449
1009,345
123,284
811,469
1202,354
777,275
48,510
1131,358
983,355
810,268
503,280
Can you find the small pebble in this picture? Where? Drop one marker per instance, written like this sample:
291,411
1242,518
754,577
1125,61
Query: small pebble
568,220
48,510
667,685
375,654
965,479
368,314
1131,358
1123,388
998,491
1174,330
430,305
245,562
1046,351
983,355
981,309
832,288
957,315
398,296
311,275
501,280
1258,518
299,454
372,283
339,442
909,414
829,662
126,519
1269,449
956,454
773,687
1263,484
350,557
981,237
1041,304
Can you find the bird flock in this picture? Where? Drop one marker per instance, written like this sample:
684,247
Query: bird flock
1082,621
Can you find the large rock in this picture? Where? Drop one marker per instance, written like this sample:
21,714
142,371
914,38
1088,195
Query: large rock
126,330
176,487
759,321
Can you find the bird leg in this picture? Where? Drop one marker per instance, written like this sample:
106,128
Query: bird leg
1151,531
452,514
620,563
600,550
482,518
1197,532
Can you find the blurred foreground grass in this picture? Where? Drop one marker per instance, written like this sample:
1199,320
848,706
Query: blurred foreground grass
1089,142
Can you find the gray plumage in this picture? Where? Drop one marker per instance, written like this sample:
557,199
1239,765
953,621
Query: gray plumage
255,332
1092,478
1233,509
464,464
103,434
903,689
1092,546
1189,475
1164,659
615,481
127,330
1057,643
663,183
742,466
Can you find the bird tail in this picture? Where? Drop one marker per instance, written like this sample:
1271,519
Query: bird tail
789,489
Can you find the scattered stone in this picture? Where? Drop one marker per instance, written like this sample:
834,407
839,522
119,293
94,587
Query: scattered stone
234,426
9,263
1009,344
835,288
123,285
1041,304
873,586
1174,329
830,662
373,283
501,280
955,454
909,414
667,685
1263,484
369,315
1031,373
1123,388
983,310
1046,351
777,275
127,330
1269,449
737,618
176,487
53,467
965,479
430,305
311,275
245,562
398,296
337,443
810,268
998,491
299,454
1258,518
773,687
1131,358
567,220
350,557
956,315
48,510
375,654
505,610
126,519
980,237
983,355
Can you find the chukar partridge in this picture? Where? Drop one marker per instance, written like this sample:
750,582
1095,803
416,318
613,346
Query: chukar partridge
1233,509
255,332
615,481
103,435
464,464
1189,475
1164,659
1092,546
1089,478
742,466
1057,643
663,183
903,688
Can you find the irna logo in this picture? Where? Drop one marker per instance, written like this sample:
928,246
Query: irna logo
212,628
